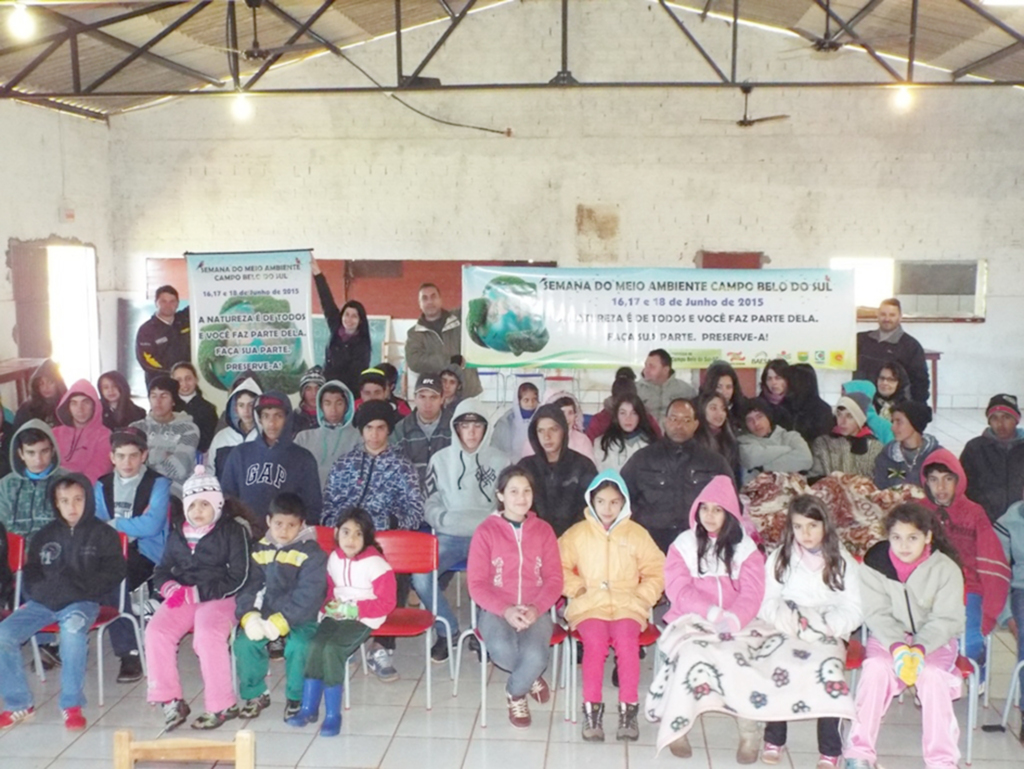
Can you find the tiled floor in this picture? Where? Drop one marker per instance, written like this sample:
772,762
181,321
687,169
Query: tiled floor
389,727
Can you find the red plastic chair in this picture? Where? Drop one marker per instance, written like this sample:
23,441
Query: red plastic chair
325,538
15,562
106,616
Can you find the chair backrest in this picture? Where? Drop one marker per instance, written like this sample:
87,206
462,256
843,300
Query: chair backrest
409,552
325,538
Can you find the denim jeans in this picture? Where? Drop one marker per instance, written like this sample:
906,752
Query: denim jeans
974,641
523,653
1017,608
75,620
450,551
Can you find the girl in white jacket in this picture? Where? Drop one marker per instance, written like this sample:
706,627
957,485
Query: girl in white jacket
812,591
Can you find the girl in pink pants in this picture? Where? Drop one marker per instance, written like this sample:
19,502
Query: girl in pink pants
205,563
913,594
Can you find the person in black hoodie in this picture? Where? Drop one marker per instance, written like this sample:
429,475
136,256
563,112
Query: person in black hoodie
46,388
811,416
118,409
73,562
562,475
192,402
348,351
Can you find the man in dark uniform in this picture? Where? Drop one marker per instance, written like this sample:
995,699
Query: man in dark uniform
164,339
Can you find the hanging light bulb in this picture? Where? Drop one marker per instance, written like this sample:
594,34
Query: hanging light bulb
20,22
242,108
902,98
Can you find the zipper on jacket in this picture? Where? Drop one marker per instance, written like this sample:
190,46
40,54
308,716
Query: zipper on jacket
910,613
517,532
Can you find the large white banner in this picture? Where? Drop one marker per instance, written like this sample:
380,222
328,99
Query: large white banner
251,313
566,318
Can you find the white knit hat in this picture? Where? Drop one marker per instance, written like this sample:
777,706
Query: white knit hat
202,486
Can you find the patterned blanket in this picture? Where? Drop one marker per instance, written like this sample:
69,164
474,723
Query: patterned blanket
758,673
857,505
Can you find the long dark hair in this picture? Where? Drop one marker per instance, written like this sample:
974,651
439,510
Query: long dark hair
363,329
615,435
724,443
814,508
506,475
716,371
902,386
779,366
730,535
925,521
124,400
363,521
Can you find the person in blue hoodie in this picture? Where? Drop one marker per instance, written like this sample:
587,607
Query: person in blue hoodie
134,499
335,410
257,472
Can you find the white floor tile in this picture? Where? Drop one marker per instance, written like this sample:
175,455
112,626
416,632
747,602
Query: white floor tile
445,724
494,753
32,740
592,755
405,752
345,751
98,742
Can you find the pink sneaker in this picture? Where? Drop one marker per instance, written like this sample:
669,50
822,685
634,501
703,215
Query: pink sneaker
828,762
771,754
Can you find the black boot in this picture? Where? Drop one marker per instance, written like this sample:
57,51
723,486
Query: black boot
593,717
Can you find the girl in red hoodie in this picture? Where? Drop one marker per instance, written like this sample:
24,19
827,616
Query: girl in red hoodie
514,574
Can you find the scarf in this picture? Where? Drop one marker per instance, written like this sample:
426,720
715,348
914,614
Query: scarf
193,533
904,570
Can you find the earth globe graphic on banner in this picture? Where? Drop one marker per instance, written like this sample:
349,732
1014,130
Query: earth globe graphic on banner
507,317
245,346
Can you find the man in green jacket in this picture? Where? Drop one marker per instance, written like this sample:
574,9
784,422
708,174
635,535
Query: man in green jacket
436,340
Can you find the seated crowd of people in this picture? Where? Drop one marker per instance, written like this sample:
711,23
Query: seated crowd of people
607,523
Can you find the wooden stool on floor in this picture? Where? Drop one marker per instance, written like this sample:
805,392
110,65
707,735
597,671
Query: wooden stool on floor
242,750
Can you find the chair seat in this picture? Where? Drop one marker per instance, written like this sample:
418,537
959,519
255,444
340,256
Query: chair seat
558,634
965,666
855,653
650,635
107,614
405,623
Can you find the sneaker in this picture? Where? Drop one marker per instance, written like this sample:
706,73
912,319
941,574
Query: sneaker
252,708
175,714
474,646
73,719
276,649
11,718
540,691
379,663
49,654
593,726
131,668
828,762
215,720
292,708
439,651
771,754
518,711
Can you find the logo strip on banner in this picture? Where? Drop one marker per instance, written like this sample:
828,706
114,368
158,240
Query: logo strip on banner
582,318
251,314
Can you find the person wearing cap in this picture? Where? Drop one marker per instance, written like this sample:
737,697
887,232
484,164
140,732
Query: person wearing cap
765,447
994,461
391,375
134,500
436,340
304,416
902,459
851,448
377,477
205,564
424,432
889,342
258,471
165,338
172,436
335,436
461,491
374,386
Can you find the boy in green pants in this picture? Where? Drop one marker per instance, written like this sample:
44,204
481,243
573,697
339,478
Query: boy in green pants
283,593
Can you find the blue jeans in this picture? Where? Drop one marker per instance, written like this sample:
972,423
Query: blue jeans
75,620
523,653
974,641
1017,609
450,551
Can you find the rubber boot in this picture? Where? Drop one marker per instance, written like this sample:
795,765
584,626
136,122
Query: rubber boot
312,689
750,741
332,712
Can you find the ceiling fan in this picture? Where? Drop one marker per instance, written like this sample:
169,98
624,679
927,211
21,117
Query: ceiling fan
832,41
256,52
746,121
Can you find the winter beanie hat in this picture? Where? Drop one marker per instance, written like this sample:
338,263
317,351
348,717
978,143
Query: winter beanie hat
858,405
371,411
313,376
1005,403
199,485
918,414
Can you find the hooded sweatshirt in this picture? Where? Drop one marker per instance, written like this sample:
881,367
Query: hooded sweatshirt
286,579
232,435
38,407
558,488
1010,530
461,484
367,580
880,426
512,565
893,468
257,472
126,411
511,432
172,447
970,531
385,485
24,505
614,573
706,589
328,442
66,564
995,471
204,414
783,451
85,449
578,440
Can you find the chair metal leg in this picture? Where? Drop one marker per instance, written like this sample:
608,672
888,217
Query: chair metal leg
99,660
348,688
426,659
483,685
972,714
988,668
37,660
1011,695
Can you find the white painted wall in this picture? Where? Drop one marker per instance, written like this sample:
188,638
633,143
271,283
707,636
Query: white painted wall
362,177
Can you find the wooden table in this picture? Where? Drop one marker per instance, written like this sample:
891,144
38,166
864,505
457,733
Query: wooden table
19,371
932,356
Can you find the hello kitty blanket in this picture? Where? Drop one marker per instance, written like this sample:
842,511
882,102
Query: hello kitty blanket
758,673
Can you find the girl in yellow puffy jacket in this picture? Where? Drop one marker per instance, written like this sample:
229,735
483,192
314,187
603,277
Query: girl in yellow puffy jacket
613,575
